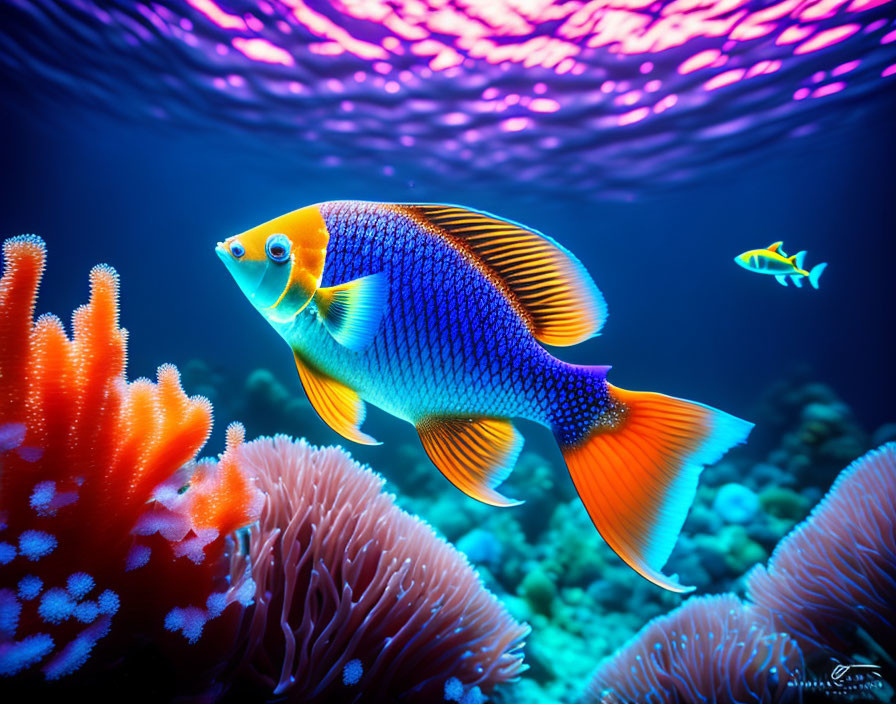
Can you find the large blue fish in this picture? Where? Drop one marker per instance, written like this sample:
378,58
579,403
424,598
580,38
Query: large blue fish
437,314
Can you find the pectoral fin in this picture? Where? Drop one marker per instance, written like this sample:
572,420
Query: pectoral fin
339,406
474,454
781,280
352,311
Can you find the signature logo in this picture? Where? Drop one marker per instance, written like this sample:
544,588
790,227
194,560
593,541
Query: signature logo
848,681
841,673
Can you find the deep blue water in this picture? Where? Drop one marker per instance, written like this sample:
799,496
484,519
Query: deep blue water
683,319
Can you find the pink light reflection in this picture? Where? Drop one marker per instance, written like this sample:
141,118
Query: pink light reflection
846,68
665,103
793,34
697,61
763,67
515,124
724,79
262,50
630,98
828,89
888,71
217,15
633,116
324,27
862,5
827,38
544,105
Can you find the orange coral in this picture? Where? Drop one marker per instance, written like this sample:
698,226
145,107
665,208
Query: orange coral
91,487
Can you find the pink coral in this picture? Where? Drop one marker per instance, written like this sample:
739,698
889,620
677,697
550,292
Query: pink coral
712,649
357,600
105,539
836,571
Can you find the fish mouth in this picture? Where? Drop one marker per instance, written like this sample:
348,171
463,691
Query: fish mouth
222,252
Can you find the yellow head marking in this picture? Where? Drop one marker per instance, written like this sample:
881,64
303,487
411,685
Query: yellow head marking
291,249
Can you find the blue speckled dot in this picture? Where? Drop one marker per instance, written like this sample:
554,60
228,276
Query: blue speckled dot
474,696
29,587
56,605
137,557
79,584
7,553
454,689
42,496
108,602
87,611
352,672
215,604
35,544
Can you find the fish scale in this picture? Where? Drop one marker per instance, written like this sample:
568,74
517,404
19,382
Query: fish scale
447,328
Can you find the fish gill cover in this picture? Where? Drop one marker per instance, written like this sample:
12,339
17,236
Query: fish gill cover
623,95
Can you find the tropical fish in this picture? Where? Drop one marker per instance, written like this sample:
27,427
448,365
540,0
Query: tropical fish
437,314
772,260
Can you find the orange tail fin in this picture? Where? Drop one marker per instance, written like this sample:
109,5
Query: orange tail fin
638,475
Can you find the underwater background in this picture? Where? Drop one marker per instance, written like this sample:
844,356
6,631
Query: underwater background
655,140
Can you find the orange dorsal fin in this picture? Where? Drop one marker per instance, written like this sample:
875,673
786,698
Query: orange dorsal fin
776,247
475,455
339,406
548,284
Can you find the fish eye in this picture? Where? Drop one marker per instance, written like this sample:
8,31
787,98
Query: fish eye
277,247
237,249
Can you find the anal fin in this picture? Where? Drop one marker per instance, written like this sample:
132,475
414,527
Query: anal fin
474,454
338,406
797,281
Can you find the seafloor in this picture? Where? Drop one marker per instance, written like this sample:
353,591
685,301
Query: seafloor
544,559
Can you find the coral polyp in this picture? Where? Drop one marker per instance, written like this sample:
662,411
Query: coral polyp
110,532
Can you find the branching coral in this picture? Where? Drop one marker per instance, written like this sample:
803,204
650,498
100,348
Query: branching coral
712,649
105,538
357,601
836,571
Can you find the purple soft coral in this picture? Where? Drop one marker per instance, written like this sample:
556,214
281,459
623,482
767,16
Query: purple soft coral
836,571
712,649
356,600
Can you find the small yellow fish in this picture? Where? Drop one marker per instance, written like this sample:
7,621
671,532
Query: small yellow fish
772,260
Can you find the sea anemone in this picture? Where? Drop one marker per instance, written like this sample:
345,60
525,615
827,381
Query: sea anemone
356,600
836,571
110,533
711,649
